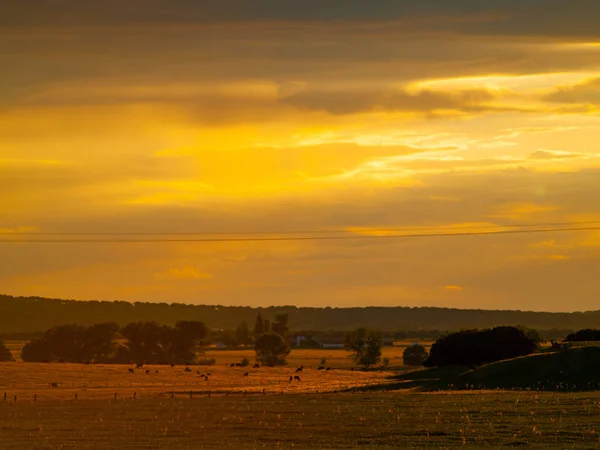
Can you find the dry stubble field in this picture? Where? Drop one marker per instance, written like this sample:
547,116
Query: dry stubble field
231,411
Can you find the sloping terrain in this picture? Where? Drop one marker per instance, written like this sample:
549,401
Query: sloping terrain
576,369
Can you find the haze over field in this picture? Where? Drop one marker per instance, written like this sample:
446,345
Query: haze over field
240,117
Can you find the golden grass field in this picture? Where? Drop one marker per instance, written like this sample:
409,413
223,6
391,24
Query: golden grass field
106,407
397,420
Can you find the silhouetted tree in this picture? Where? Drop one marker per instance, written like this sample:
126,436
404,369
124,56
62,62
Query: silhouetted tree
280,326
36,350
99,342
532,334
242,334
145,342
365,346
259,326
271,349
5,354
475,347
584,335
414,355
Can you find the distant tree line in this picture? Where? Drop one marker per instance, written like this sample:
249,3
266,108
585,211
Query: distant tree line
584,335
137,342
34,314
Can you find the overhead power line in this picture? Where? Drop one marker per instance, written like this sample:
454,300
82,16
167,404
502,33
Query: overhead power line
305,238
348,230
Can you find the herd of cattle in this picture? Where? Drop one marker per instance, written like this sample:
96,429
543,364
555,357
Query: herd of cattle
232,365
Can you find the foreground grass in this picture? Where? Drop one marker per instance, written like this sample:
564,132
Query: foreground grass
328,421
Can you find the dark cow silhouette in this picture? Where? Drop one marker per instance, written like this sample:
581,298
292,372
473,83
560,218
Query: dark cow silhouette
238,364
187,369
205,377
156,371
139,366
297,378
299,369
131,371
291,378
246,374
232,365
256,366
54,385
321,368
172,365
147,372
209,374
329,368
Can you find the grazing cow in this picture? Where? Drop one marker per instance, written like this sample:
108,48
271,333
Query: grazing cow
139,366
291,378
172,365
246,374
187,369
198,372
238,364
329,368
232,365
205,377
147,372
256,366
297,378
156,371
131,371
54,385
209,374
321,368
299,369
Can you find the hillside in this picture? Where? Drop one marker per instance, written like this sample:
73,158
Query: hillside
31,314
569,370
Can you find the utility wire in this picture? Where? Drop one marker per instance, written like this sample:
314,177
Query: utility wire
303,238
252,233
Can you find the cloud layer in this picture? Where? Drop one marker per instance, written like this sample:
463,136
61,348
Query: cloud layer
270,116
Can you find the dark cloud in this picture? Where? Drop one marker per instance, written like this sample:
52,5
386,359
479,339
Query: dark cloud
348,102
586,93
505,17
115,12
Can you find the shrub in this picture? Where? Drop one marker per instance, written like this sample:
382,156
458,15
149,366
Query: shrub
415,355
475,347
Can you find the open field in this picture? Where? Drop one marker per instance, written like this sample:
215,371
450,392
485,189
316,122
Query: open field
102,381
325,421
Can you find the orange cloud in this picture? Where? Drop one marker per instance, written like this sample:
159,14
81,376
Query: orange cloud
454,288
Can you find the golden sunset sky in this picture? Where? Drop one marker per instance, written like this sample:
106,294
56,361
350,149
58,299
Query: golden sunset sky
243,116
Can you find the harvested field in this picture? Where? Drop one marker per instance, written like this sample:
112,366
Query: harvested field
326,421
